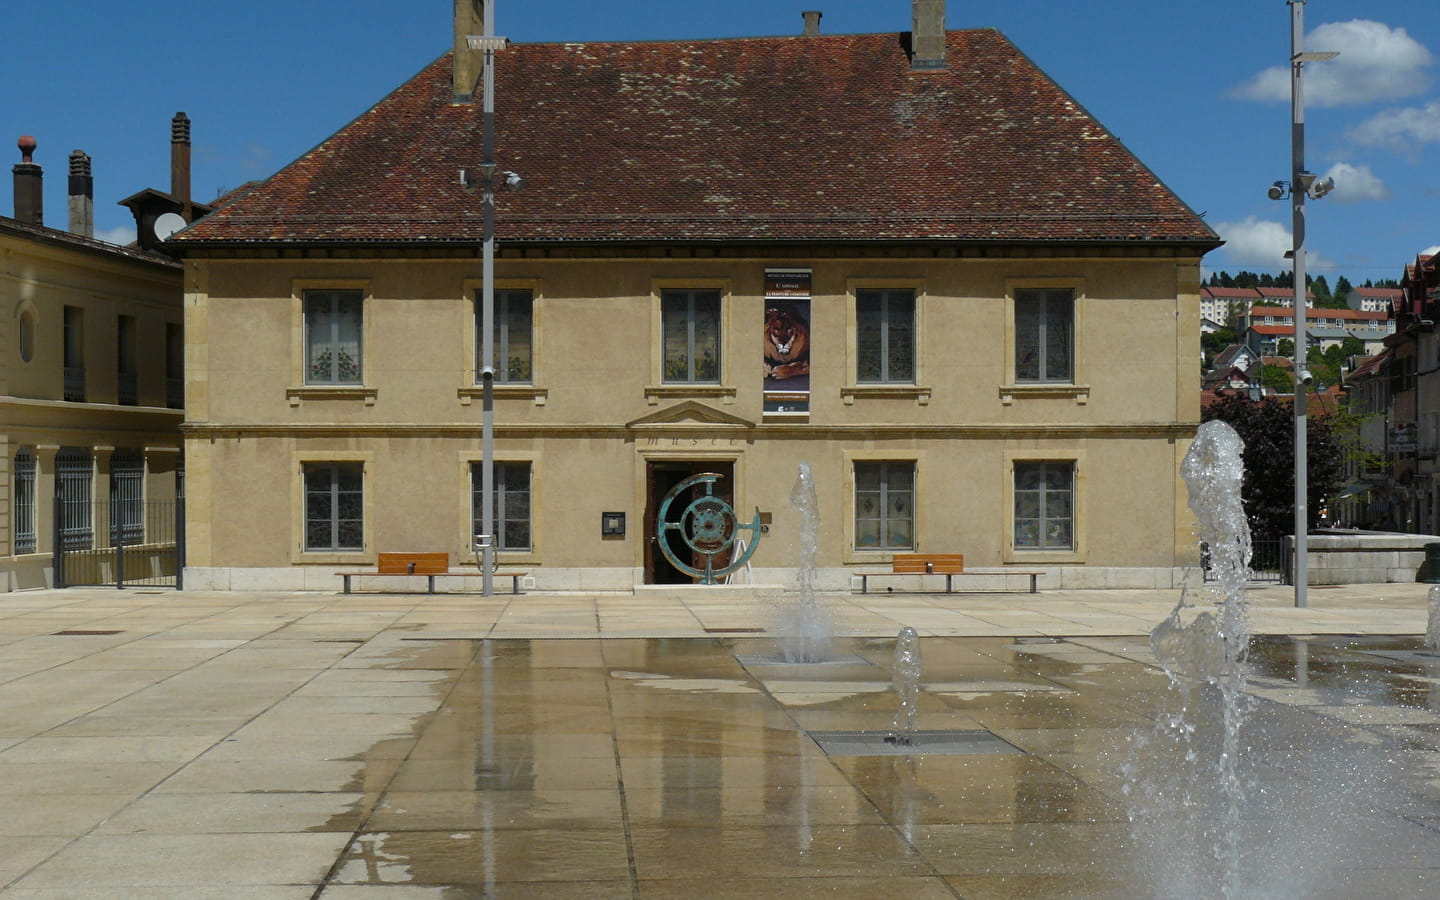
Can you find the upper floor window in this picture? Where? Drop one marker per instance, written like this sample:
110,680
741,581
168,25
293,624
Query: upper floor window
74,354
690,326
127,373
1044,335
174,366
513,337
885,336
333,337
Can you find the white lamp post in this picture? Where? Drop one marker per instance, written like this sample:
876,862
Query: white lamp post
485,542
1302,183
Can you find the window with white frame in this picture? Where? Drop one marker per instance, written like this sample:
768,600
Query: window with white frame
690,327
1044,336
514,345
334,335
885,505
512,504
334,506
885,336
1045,505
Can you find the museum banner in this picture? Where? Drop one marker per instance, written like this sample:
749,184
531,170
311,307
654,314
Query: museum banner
787,340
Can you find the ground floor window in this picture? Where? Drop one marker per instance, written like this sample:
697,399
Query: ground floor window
334,506
24,517
74,478
127,497
885,505
1044,505
512,504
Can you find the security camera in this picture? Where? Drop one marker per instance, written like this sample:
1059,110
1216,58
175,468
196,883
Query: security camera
1277,191
1307,377
514,182
1320,188
487,372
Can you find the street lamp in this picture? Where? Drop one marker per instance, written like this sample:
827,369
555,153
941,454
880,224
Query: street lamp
1302,184
488,181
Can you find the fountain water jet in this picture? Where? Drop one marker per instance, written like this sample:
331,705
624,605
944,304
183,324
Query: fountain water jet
906,677
1432,625
807,627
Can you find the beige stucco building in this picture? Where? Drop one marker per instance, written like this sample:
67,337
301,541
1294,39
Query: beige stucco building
90,392
998,307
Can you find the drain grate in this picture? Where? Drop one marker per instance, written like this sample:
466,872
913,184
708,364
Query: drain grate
734,631
846,659
923,743
1405,656
76,632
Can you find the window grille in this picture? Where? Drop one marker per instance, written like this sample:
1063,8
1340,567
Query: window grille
127,497
24,518
74,480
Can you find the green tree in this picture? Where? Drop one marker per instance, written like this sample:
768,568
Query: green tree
1226,280
1285,347
1267,280
1343,287
1268,488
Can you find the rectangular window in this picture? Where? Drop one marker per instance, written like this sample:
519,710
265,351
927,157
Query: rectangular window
333,337
512,504
690,322
127,375
24,522
74,352
884,505
885,336
1044,505
1044,333
334,506
513,337
74,477
174,366
127,497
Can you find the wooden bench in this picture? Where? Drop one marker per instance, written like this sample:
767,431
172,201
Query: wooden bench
428,564
947,564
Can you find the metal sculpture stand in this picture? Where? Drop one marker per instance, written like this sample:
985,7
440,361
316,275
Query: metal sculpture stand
709,527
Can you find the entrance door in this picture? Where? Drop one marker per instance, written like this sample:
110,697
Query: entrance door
661,477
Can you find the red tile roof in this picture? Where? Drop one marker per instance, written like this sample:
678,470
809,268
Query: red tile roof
812,138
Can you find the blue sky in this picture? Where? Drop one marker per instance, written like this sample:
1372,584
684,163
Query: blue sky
1187,86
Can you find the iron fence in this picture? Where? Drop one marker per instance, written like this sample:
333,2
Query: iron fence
144,542
1269,561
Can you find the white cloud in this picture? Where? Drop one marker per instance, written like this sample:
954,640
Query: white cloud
1376,62
1400,129
1261,244
1355,184
1255,242
120,234
1430,251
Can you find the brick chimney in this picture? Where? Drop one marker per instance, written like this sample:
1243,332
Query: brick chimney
927,35
29,185
82,195
469,19
812,21
180,162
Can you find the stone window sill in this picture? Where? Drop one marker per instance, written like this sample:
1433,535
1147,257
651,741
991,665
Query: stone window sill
921,395
1080,393
536,395
337,392
655,392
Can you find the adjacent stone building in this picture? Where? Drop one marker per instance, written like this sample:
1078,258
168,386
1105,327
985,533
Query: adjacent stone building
908,259
91,387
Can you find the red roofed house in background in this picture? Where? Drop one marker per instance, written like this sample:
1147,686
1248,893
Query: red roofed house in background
909,259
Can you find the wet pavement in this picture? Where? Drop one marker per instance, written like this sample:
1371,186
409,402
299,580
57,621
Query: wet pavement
279,746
